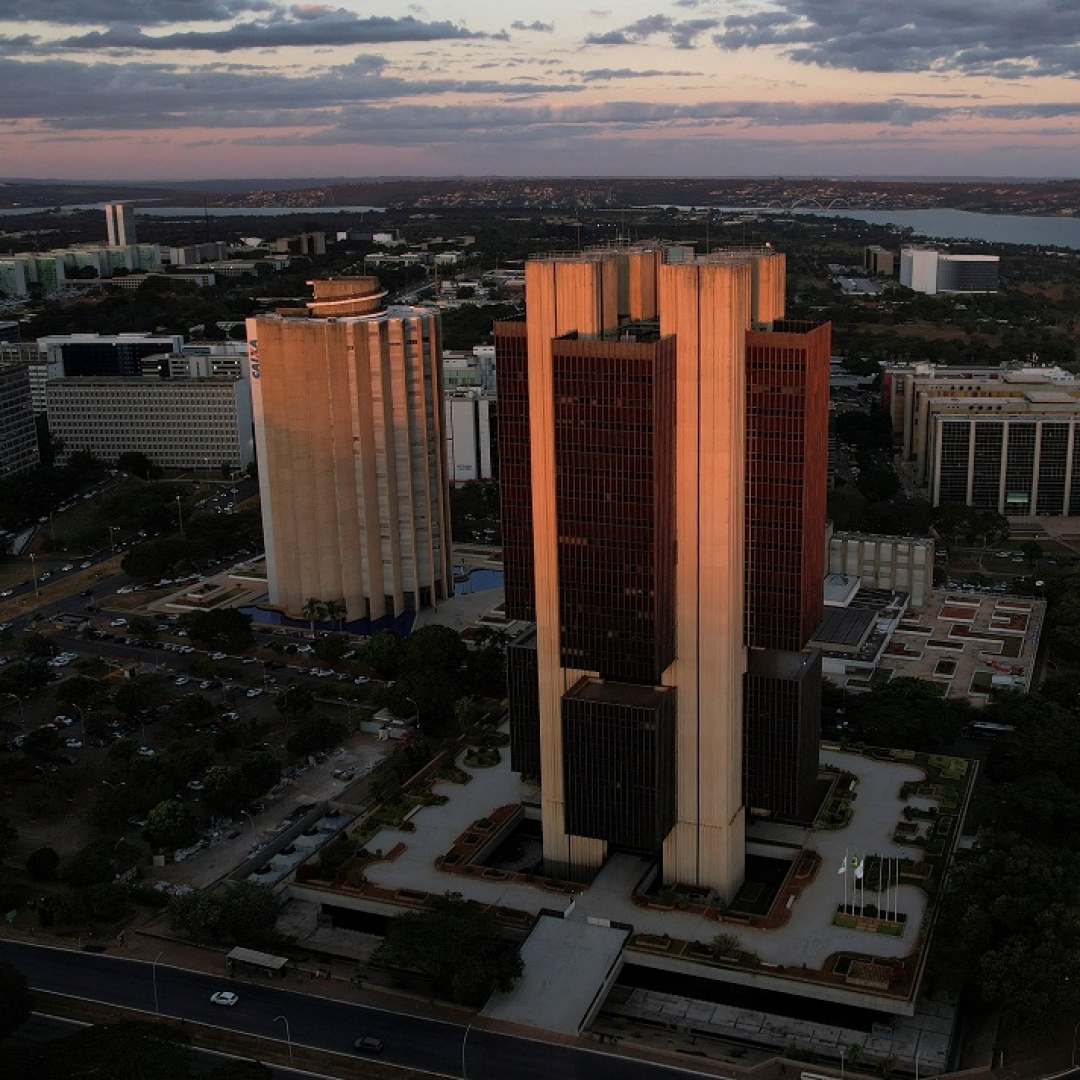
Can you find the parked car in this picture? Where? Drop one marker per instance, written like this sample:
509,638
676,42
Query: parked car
224,997
368,1044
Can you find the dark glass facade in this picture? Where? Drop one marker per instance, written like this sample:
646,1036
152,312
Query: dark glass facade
515,475
787,453
986,478
614,496
87,358
1053,454
523,690
954,463
619,763
782,694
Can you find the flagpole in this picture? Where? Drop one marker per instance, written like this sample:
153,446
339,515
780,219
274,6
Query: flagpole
845,879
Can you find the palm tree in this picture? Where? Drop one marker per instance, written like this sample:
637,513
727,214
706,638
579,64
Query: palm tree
335,611
313,609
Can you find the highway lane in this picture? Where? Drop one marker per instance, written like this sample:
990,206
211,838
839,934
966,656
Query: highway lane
320,1022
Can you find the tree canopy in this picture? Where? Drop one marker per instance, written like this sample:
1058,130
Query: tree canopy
458,944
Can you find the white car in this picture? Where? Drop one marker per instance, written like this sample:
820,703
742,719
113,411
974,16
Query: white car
66,567
218,656
145,751
85,565
118,622
181,680
224,997
255,691
74,744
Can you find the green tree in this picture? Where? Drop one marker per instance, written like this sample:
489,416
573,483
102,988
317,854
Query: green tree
171,824
79,691
458,944
1033,552
331,648
138,693
225,628
385,653
294,702
16,1001
42,743
260,771
335,610
315,734
8,835
222,792
313,609
42,864
88,866
242,914
1013,912
137,463
907,714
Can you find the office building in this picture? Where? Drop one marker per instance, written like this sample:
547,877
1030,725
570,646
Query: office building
98,355
902,564
470,426
995,438
18,432
120,222
879,261
13,281
177,424
623,428
787,434
929,271
352,458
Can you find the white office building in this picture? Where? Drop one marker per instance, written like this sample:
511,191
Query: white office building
176,423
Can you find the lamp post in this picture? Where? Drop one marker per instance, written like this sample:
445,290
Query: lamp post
1075,1031
33,570
153,969
22,711
180,516
113,530
82,720
464,1043
288,1035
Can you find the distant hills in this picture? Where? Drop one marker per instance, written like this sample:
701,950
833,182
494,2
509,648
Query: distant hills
1000,196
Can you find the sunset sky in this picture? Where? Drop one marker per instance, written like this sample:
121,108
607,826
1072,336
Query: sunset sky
154,89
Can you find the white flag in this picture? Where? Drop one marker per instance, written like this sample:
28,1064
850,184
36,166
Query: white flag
859,869
843,866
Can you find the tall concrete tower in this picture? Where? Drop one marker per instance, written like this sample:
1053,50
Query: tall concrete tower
347,401
120,221
622,412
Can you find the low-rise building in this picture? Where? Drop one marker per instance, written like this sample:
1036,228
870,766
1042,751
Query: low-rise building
176,423
18,433
929,271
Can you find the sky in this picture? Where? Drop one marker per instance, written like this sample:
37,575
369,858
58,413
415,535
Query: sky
203,89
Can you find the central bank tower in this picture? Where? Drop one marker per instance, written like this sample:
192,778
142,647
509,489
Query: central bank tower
623,435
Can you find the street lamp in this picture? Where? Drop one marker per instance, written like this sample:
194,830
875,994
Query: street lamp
22,711
113,530
82,720
288,1035
153,969
180,516
464,1043
33,570
1075,1031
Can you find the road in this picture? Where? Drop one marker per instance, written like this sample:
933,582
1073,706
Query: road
320,1022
